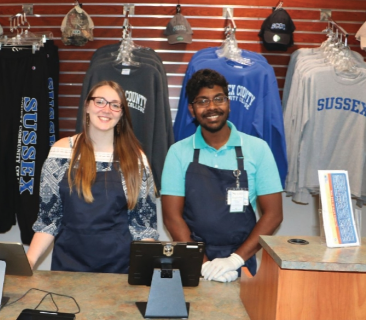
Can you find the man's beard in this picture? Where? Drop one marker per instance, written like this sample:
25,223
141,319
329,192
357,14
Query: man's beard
215,129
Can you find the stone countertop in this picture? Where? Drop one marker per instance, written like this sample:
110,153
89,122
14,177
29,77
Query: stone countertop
315,255
109,296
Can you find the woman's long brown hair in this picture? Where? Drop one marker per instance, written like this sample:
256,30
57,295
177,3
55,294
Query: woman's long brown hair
127,151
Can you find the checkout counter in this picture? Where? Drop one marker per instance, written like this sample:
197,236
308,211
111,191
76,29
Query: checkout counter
294,282
110,297
306,280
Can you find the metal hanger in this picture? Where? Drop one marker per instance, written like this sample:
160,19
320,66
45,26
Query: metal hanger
337,52
125,55
21,37
279,6
229,49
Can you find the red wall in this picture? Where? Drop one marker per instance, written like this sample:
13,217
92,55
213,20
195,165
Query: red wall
206,18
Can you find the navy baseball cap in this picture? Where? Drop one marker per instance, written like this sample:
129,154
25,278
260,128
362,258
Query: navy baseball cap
277,31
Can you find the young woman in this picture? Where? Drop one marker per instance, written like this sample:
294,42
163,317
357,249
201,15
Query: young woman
97,191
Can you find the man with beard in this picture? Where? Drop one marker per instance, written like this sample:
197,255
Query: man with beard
213,180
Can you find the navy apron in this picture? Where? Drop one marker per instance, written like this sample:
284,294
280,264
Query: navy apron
207,213
94,237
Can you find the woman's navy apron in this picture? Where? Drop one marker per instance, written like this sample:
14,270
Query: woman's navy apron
207,213
94,237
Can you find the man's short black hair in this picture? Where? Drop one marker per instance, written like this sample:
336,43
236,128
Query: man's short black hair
205,78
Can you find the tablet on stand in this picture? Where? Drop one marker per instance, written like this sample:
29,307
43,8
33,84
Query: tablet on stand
166,267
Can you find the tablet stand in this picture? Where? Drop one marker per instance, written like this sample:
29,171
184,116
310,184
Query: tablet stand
3,300
166,297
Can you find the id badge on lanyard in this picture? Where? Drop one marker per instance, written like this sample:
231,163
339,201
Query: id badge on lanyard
237,198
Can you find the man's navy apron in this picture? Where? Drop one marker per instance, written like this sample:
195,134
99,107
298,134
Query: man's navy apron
207,213
94,237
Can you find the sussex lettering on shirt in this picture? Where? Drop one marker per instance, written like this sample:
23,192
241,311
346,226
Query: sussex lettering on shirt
341,103
27,140
51,103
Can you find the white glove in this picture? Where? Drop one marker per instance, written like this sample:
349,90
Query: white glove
227,277
204,267
217,267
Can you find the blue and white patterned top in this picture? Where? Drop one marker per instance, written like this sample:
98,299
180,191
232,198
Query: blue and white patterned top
142,219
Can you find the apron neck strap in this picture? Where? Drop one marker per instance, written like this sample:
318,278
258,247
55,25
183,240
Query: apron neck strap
196,155
239,157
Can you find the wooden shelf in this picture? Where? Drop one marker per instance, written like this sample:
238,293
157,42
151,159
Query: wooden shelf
275,293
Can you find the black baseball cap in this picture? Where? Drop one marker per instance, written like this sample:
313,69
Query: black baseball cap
277,31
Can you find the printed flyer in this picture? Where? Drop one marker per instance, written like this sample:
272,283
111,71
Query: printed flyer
338,219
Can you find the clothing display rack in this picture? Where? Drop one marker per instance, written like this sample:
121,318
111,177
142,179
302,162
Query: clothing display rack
336,48
229,49
306,100
30,79
337,26
21,37
125,55
229,15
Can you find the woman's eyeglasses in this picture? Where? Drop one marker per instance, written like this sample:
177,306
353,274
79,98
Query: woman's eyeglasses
101,103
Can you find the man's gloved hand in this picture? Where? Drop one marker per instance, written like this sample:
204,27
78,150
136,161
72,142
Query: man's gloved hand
217,267
227,277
